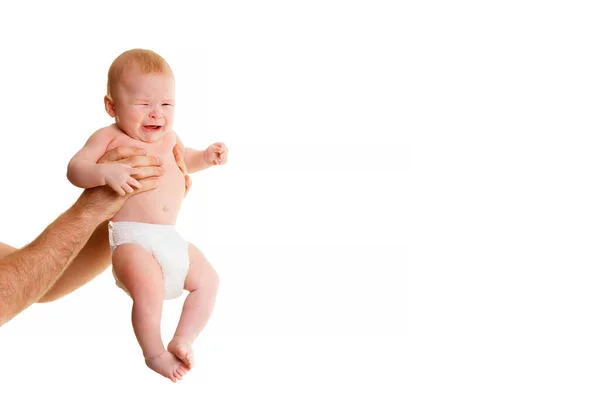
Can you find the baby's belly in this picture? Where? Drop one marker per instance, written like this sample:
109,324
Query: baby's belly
158,206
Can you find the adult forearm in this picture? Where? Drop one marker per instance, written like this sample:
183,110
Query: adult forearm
27,274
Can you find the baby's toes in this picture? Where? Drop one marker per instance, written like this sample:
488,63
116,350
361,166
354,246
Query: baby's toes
177,374
181,371
185,354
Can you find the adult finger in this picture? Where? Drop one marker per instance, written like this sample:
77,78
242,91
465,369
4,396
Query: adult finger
144,161
138,161
121,152
145,172
106,202
147,184
179,159
188,184
134,171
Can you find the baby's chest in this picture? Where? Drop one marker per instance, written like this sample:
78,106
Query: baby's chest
161,148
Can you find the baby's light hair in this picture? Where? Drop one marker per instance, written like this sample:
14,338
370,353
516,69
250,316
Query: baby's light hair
146,60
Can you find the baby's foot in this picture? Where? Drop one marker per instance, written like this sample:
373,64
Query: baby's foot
168,366
182,349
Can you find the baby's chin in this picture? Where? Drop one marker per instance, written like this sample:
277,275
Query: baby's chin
151,133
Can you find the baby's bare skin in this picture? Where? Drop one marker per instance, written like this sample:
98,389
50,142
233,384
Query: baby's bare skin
142,105
168,366
162,205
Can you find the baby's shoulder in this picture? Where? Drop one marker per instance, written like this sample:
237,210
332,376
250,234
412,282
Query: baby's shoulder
108,135
105,134
110,131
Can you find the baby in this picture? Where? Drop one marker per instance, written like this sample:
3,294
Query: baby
151,261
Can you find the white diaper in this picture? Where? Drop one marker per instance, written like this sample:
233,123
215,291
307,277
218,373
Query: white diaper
166,245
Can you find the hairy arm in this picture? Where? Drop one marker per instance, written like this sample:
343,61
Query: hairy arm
83,170
95,256
27,274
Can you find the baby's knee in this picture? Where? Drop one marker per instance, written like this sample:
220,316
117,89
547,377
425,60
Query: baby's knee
214,279
209,278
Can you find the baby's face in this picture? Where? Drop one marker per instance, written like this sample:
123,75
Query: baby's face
144,105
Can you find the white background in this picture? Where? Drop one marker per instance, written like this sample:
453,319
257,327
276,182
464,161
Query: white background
410,208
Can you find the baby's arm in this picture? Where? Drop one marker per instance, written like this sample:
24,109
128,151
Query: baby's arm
197,160
84,172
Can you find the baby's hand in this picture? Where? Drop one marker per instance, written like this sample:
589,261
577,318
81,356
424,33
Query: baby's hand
216,154
118,177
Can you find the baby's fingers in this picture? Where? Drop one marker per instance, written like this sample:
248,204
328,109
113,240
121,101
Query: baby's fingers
134,183
127,188
120,191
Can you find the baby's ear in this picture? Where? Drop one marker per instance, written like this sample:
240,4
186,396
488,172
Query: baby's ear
109,106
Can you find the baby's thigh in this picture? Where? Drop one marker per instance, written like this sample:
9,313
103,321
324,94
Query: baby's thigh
137,270
201,273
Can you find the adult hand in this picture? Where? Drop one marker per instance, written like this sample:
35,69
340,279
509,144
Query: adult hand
104,201
179,159
146,166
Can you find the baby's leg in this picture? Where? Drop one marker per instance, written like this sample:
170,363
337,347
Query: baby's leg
202,281
137,270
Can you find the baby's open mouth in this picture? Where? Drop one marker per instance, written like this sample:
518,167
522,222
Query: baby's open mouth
153,127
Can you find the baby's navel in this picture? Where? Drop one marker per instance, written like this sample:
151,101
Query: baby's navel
165,208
